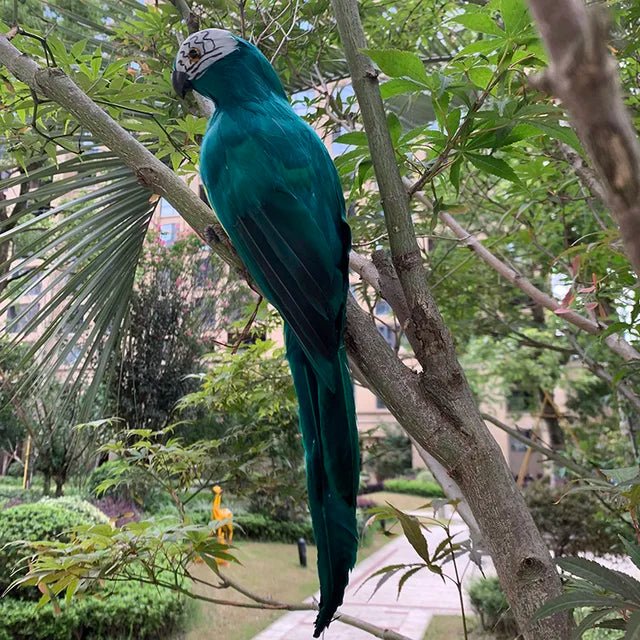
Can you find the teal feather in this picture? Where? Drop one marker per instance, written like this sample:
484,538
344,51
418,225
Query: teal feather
277,194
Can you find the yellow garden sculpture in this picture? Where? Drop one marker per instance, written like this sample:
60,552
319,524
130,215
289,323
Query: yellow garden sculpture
225,532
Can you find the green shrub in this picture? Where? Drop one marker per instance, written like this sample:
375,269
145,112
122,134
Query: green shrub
137,611
35,521
10,491
78,506
131,482
572,523
424,475
133,611
414,487
15,470
259,527
490,603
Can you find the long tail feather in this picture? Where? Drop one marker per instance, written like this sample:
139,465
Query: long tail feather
330,437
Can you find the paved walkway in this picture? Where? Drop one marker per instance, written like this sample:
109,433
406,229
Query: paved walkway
423,595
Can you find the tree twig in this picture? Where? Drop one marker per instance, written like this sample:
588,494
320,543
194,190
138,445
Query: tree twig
617,344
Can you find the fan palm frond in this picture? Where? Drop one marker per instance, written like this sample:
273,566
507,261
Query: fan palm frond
76,240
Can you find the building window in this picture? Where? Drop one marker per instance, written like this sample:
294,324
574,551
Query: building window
34,281
17,323
521,401
380,404
388,333
169,233
382,308
166,210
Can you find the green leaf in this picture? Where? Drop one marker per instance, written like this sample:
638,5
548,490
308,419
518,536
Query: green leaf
564,134
453,121
78,48
454,174
515,16
411,528
395,128
494,166
406,576
479,22
575,600
613,623
365,169
91,242
623,475
399,64
620,583
633,550
357,138
398,86
481,76
482,46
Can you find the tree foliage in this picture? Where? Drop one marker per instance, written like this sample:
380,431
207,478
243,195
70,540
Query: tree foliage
485,156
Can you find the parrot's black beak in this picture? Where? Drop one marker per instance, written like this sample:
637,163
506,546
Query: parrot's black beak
180,82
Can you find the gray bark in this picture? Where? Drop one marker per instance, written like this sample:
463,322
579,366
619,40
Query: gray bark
584,75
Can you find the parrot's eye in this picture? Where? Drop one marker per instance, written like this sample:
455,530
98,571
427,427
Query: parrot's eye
194,54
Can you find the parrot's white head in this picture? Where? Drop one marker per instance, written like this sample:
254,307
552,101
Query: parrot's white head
198,52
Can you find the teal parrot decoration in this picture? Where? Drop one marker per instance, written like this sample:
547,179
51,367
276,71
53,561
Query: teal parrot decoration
277,194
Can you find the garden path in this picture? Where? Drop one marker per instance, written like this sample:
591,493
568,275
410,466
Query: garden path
423,595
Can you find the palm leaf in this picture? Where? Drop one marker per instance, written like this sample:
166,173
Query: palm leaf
73,267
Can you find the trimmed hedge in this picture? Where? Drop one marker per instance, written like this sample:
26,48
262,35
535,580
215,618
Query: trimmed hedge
14,493
35,521
259,527
490,603
136,611
78,506
414,487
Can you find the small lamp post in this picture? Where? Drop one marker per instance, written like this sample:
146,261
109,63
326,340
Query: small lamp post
302,551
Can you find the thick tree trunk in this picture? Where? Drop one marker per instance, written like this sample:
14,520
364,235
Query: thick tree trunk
46,483
455,434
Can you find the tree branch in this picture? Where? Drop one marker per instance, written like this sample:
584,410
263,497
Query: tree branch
391,291
366,270
190,18
583,171
151,172
617,344
442,385
584,75
385,634
537,446
424,320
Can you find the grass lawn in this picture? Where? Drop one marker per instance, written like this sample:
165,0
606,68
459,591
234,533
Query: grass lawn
268,568
402,501
450,628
